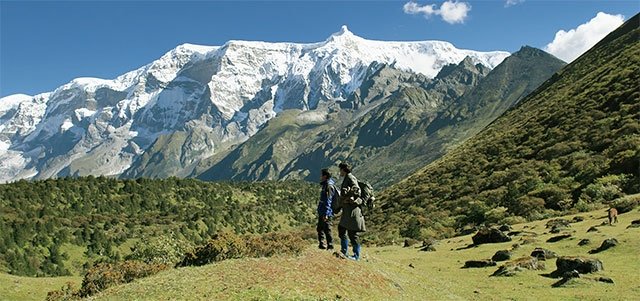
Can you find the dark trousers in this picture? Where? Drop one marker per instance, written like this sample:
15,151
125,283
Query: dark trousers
324,230
353,235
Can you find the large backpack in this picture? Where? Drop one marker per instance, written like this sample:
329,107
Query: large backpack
367,195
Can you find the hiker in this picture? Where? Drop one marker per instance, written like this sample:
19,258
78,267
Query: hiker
328,196
351,221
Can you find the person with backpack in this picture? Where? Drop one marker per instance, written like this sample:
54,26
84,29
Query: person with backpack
328,197
352,220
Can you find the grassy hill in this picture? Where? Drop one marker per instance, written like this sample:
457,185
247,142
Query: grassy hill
385,272
568,146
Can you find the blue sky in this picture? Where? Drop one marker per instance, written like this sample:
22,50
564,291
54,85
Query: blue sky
46,44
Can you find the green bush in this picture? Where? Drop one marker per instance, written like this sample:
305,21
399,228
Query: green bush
605,189
105,275
627,203
227,245
165,249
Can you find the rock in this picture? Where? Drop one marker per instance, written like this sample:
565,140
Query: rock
571,274
528,240
505,228
606,244
514,233
478,263
467,230
409,242
593,229
558,238
490,235
411,265
558,222
515,247
577,219
501,255
428,248
634,224
511,268
583,265
605,279
543,254
584,242
557,229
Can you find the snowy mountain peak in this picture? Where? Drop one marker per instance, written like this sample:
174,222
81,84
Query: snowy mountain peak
221,94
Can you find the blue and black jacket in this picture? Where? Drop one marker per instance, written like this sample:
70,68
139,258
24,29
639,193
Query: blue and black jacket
328,195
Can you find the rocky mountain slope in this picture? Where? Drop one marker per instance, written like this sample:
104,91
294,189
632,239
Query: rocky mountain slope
195,102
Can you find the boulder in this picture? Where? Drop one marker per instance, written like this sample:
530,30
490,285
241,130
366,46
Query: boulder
428,248
593,229
605,279
584,242
513,267
409,242
558,238
606,244
558,222
577,219
543,254
634,224
490,235
583,265
505,228
501,255
478,263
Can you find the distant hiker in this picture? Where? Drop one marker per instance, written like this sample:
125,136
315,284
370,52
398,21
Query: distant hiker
328,196
613,215
351,221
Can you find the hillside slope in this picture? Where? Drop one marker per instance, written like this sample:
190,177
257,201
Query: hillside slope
572,143
396,273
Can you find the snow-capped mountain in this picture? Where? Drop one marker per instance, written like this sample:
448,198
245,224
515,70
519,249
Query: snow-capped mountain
224,94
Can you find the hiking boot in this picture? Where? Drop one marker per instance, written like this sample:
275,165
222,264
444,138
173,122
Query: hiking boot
322,247
330,247
356,252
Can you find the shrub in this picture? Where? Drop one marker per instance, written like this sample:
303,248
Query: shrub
605,189
627,203
67,292
227,245
167,250
105,275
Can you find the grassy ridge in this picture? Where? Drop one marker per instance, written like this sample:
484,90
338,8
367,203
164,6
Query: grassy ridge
570,145
385,272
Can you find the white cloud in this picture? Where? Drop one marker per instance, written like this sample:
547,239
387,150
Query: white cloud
451,11
512,2
568,45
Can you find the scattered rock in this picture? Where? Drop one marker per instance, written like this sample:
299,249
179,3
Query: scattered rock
505,228
409,242
593,229
583,265
543,254
577,219
490,235
571,274
411,265
584,242
557,229
428,248
564,282
558,222
467,230
514,247
558,238
518,265
514,233
528,240
605,279
478,263
606,244
476,292
501,255
634,224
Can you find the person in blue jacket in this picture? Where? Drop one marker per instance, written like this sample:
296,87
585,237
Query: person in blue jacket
328,195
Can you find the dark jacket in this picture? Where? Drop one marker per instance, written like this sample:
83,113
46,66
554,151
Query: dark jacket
349,202
328,196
